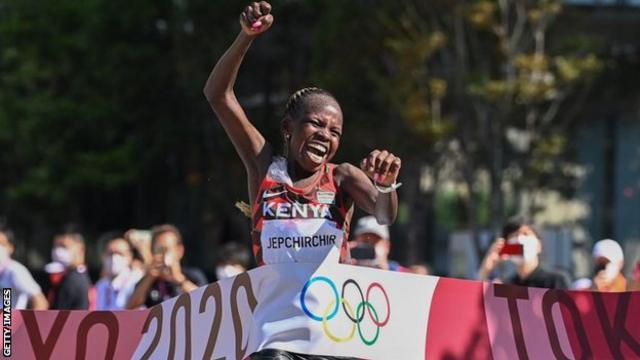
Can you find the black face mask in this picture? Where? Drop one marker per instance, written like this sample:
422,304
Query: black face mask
599,267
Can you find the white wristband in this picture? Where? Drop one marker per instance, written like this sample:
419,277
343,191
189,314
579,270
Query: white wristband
387,189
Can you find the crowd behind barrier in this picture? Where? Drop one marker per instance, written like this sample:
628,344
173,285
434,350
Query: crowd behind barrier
295,308
142,268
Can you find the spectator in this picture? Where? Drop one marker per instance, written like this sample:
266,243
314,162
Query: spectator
529,270
26,293
233,259
118,278
72,290
372,245
608,259
165,277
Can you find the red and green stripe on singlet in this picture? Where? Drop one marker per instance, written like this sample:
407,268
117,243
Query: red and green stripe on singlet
341,209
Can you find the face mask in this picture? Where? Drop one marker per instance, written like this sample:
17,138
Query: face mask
115,264
4,256
529,247
227,271
61,255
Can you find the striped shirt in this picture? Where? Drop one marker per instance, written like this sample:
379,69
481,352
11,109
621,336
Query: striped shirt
294,225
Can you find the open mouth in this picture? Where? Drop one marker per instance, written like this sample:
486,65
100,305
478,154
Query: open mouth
317,152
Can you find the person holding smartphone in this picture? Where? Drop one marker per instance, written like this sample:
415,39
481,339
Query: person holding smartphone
608,261
371,246
165,277
520,243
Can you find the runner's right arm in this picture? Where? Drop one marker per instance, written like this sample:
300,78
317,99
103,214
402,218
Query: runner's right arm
251,146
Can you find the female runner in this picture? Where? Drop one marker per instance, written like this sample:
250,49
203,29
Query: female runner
301,203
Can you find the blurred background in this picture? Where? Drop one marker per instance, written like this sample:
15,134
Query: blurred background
496,108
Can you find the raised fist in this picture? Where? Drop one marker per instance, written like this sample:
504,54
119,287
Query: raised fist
382,167
256,18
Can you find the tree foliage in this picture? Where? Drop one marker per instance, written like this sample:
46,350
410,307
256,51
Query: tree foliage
485,78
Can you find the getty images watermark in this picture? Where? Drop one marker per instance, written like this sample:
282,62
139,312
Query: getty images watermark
6,322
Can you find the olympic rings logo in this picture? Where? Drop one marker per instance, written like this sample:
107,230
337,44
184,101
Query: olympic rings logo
356,318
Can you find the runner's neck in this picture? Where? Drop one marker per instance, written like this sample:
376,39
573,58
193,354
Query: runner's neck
301,179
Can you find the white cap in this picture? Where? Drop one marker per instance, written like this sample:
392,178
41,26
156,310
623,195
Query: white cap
608,249
369,225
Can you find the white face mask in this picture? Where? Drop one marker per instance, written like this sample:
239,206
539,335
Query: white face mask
62,255
529,247
227,271
115,264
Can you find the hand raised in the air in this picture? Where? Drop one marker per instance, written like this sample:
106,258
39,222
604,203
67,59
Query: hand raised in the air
382,167
256,18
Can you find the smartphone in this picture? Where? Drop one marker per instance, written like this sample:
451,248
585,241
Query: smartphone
363,252
512,249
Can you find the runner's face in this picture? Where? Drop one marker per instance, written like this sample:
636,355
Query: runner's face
315,134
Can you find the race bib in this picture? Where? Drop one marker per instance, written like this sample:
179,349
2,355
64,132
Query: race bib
299,240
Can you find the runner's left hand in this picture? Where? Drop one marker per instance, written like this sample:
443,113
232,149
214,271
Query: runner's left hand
382,167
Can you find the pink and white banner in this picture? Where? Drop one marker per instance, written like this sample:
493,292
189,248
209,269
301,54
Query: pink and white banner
343,310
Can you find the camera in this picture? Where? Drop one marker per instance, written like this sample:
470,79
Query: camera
363,252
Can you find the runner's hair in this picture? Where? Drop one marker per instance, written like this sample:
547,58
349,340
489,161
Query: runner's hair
244,208
294,104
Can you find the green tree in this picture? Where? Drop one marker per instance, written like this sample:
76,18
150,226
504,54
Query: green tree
484,78
89,114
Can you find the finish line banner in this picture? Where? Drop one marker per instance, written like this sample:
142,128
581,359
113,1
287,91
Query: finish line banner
343,310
